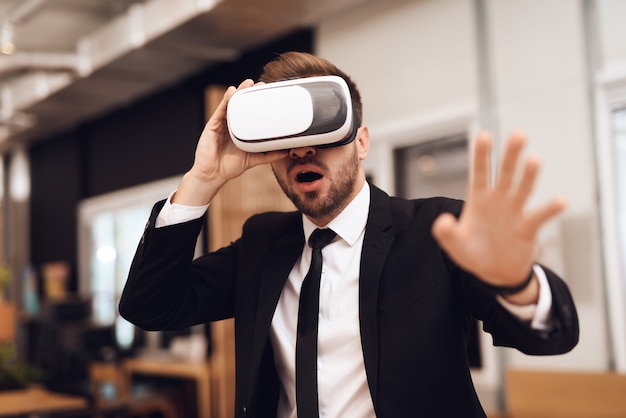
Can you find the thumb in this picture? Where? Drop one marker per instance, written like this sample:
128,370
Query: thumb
443,229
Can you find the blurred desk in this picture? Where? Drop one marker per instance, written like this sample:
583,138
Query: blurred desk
35,400
200,372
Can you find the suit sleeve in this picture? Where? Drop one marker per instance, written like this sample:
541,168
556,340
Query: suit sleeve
507,329
167,289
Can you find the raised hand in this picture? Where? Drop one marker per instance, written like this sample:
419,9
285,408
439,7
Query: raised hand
495,237
217,159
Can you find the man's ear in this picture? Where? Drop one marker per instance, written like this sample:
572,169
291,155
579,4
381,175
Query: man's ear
363,141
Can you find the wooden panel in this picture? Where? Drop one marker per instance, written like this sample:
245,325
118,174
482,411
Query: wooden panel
253,192
541,394
7,321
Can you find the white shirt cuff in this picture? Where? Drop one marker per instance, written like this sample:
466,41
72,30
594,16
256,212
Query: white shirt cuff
174,213
538,314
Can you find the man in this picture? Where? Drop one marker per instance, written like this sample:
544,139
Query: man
401,280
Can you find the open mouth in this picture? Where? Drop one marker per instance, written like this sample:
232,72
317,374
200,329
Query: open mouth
308,176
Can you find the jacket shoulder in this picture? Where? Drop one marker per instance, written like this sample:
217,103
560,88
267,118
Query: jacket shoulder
273,223
425,208
400,206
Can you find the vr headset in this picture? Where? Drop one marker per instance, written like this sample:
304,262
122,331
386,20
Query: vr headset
311,111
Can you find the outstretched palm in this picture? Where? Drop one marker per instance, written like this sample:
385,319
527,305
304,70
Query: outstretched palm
495,237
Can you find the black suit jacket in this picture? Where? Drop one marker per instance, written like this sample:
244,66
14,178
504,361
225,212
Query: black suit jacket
415,305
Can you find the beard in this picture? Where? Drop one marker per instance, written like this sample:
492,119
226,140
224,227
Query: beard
317,207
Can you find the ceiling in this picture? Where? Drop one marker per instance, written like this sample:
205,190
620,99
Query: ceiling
65,61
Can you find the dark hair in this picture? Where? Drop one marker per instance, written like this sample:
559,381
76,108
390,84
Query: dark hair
300,64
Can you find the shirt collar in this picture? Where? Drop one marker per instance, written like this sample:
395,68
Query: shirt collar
350,222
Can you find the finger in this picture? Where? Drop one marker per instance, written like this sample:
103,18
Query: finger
230,91
266,157
527,182
217,120
444,229
540,216
245,84
482,166
220,110
508,166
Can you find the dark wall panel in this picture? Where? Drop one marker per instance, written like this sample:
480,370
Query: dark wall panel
154,139
55,188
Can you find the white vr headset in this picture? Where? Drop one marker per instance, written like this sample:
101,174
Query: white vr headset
311,111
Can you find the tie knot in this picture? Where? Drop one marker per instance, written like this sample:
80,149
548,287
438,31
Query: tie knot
321,237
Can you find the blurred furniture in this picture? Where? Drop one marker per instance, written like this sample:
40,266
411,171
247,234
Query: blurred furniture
36,400
62,341
549,394
199,372
114,396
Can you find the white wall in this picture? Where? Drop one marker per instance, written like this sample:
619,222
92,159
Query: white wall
609,81
417,65
414,62
540,78
611,32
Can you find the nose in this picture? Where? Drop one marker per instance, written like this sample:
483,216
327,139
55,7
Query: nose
302,152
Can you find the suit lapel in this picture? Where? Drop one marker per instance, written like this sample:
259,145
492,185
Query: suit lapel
376,245
273,277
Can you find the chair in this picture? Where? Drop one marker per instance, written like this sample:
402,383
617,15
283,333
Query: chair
113,396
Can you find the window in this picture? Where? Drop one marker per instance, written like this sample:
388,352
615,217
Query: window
433,168
110,227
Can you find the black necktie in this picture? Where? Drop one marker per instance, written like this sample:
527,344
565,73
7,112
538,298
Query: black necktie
306,342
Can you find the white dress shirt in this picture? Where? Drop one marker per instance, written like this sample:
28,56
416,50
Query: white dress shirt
342,382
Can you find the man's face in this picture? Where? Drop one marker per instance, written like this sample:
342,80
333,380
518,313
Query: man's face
321,182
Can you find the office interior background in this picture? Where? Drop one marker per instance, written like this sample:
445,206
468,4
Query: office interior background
102,102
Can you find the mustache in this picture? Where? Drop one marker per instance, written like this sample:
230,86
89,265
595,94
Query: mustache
306,160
